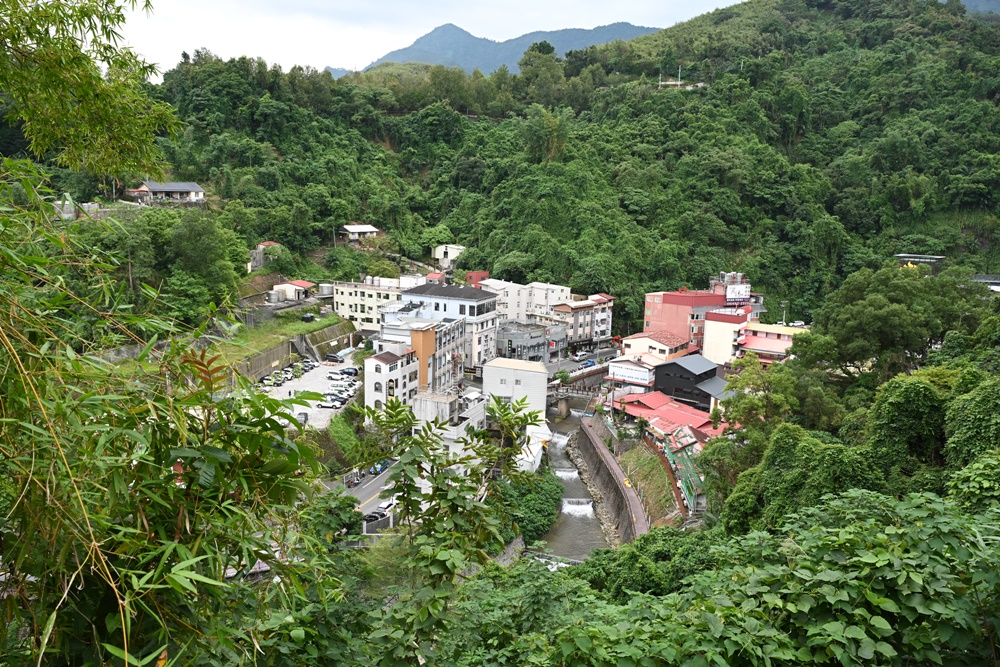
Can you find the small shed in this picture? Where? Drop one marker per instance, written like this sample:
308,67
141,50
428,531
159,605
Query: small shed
295,290
357,233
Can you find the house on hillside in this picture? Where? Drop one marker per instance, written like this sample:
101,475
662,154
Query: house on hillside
294,290
154,191
257,256
446,255
358,233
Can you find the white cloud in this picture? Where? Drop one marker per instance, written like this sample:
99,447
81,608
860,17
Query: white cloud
353,34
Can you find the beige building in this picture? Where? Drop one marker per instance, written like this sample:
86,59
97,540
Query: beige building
588,321
359,302
512,379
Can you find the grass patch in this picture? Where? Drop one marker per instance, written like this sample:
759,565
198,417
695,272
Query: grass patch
248,342
648,476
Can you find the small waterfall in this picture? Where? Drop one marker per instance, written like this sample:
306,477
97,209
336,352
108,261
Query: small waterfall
576,413
559,440
578,506
566,473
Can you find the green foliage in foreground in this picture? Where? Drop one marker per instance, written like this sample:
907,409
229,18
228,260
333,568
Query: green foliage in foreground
530,505
858,580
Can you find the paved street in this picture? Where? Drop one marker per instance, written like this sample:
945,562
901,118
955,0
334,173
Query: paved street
570,365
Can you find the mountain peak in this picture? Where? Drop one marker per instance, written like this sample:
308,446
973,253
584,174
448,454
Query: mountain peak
452,46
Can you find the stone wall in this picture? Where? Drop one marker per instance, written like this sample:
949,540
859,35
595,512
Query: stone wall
264,363
620,500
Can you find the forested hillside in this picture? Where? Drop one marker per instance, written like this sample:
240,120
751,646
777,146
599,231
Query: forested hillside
156,515
828,136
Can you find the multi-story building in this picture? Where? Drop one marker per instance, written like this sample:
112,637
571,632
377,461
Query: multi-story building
439,346
391,373
512,379
642,356
519,302
477,307
359,302
682,312
731,332
588,321
531,342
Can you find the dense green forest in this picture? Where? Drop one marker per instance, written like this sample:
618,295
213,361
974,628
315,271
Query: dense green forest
828,137
854,496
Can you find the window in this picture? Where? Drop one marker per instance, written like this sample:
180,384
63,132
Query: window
503,380
378,387
378,369
393,367
517,383
437,306
378,405
461,309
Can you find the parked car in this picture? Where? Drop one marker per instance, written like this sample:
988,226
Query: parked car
334,358
375,516
589,363
349,371
579,356
324,404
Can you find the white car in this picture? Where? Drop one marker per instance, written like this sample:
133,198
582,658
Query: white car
579,356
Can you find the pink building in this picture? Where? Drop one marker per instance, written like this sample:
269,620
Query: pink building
683,312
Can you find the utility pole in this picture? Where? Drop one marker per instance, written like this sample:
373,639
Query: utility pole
784,307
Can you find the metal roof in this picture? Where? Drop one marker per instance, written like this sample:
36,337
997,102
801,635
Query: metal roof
715,387
172,186
452,292
360,229
695,363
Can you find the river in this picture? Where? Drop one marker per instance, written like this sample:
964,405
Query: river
577,531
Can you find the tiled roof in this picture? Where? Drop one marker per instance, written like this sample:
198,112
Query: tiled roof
387,358
267,243
663,337
304,284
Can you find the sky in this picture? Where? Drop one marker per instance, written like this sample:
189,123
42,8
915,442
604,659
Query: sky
352,34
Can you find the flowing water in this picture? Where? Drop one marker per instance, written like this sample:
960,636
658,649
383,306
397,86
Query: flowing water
577,531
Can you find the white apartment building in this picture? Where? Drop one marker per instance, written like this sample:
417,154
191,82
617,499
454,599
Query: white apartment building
519,302
391,374
477,307
439,346
359,302
512,379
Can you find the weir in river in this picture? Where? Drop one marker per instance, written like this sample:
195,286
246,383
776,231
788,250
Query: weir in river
577,531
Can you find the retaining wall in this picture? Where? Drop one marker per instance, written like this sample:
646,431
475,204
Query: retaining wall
620,500
266,362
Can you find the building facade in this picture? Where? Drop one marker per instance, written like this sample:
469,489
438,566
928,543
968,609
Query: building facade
588,321
359,302
683,311
512,379
446,255
477,307
391,374
531,342
731,332
439,346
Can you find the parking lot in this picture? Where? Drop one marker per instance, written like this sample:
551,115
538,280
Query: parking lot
313,380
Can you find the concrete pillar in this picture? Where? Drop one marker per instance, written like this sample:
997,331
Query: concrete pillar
562,408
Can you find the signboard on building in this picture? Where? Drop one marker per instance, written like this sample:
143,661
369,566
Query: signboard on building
737,295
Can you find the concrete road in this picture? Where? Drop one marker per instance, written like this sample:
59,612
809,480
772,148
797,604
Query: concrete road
314,380
570,365
368,491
